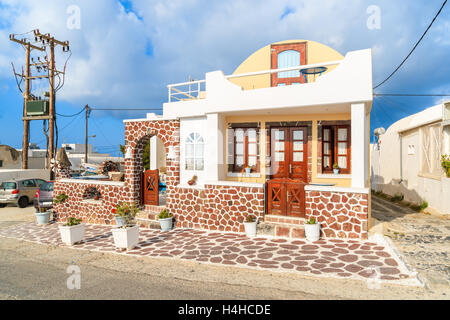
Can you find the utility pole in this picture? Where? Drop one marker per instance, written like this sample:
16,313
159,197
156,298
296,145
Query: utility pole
51,108
87,111
45,39
26,96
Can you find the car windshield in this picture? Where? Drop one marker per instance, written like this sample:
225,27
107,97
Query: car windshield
8,185
48,186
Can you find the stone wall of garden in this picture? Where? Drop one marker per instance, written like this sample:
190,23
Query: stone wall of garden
341,214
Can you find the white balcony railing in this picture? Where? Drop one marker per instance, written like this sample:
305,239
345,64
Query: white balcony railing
192,90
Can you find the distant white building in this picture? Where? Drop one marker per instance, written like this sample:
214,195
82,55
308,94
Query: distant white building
409,158
37,157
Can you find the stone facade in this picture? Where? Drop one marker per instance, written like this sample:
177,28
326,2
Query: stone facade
340,214
221,206
89,210
216,207
137,135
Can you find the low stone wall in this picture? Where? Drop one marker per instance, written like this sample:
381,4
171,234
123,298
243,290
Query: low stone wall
215,206
90,211
341,214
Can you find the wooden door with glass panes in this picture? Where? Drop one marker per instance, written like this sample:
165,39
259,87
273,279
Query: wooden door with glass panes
289,171
246,149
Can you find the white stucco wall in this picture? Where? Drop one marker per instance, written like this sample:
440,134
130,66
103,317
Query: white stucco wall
188,126
396,172
350,81
12,174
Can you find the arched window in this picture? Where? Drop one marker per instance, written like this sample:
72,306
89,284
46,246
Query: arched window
287,59
194,152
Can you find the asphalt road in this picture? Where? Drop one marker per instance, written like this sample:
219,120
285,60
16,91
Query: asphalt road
35,271
32,271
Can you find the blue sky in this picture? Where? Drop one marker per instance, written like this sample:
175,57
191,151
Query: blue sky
127,51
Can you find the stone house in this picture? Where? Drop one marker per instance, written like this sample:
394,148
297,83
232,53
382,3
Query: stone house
261,141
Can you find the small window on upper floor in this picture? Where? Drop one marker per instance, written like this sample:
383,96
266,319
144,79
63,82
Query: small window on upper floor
287,59
194,152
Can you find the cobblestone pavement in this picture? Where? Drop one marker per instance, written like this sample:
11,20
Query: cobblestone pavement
423,239
355,259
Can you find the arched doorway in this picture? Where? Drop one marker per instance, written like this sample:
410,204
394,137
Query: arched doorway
154,172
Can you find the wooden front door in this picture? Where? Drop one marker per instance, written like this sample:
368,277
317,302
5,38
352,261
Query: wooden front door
289,153
151,187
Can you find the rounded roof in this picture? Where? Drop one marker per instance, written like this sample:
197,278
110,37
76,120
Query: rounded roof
260,59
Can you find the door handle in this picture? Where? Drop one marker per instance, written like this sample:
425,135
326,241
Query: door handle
290,168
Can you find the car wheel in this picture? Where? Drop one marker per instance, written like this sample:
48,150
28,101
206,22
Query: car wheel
23,202
2,205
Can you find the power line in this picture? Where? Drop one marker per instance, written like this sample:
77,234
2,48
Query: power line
71,115
410,95
414,48
127,109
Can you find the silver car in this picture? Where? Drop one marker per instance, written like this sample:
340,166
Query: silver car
19,192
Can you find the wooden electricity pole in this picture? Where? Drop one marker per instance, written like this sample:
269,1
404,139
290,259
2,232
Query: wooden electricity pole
26,96
51,107
86,134
46,39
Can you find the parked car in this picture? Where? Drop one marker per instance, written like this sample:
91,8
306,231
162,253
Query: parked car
43,198
19,192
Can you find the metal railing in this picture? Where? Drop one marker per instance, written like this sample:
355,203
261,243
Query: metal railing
194,88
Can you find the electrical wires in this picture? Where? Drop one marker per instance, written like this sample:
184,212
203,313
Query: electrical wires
414,48
71,115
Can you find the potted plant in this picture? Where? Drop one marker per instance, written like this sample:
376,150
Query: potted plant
193,180
250,225
336,168
126,236
312,230
43,215
60,198
119,220
165,220
445,163
248,169
73,231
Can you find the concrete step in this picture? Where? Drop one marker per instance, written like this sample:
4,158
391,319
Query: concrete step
147,223
154,209
289,231
284,220
147,215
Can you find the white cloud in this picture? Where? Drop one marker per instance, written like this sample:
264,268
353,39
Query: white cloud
109,65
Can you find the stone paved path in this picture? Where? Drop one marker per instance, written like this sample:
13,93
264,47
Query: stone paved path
331,258
423,239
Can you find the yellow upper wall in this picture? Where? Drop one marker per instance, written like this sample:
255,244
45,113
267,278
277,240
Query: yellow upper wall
261,60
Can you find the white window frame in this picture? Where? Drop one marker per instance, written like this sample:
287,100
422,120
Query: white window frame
194,139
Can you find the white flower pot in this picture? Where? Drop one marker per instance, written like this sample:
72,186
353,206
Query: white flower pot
166,224
336,171
126,238
248,170
312,232
250,228
72,234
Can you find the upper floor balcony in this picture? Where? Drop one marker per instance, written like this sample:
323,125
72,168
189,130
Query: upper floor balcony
338,83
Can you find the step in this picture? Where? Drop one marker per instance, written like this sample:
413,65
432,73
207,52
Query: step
143,214
154,209
290,231
147,223
295,221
